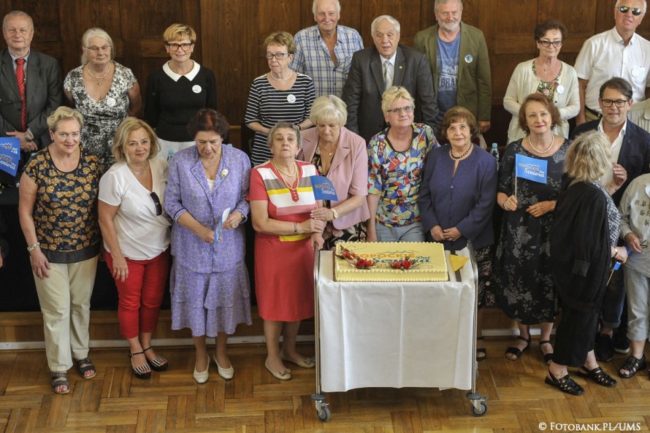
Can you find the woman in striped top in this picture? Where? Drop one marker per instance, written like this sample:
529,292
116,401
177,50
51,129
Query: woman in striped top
280,95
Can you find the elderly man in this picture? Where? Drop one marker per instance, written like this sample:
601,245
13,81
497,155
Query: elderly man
631,158
324,51
618,52
30,84
375,69
459,62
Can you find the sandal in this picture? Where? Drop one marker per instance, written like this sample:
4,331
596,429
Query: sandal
548,357
141,371
158,363
597,375
60,379
516,352
631,365
564,384
84,366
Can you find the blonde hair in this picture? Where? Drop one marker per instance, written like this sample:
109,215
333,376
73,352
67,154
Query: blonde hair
178,31
64,113
95,32
125,129
283,39
393,94
329,108
588,157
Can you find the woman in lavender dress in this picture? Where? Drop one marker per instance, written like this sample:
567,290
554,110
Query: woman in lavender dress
205,196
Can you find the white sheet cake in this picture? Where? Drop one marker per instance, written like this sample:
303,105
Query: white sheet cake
390,261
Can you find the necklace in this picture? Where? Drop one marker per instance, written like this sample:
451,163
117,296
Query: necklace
542,151
462,155
99,79
293,188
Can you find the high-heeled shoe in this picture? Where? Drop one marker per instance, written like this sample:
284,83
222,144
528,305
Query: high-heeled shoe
141,371
226,373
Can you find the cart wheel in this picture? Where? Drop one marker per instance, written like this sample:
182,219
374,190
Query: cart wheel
479,408
323,412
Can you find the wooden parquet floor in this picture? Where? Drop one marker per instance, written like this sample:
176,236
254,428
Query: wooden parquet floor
255,402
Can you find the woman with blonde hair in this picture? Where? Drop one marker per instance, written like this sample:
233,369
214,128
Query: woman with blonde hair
583,242
136,238
103,91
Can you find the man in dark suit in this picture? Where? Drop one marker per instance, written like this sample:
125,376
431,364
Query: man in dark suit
630,158
386,64
41,75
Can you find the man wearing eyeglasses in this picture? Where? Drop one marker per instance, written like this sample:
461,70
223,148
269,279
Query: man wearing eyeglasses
30,88
460,63
630,156
324,51
618,52
376,69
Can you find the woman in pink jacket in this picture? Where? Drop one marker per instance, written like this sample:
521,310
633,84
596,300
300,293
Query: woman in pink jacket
341,156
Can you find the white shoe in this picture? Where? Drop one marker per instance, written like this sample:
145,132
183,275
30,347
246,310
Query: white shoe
226,373
201,376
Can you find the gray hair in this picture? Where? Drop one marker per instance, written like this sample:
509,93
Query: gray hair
381,18
588,157
17,13
315,4
645,5
284,125
329,108
95,32
444,2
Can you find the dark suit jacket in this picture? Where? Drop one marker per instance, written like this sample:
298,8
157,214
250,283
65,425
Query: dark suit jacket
43,90
365,85
634,155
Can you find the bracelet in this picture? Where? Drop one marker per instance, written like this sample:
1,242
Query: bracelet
33,246
295,228
335,213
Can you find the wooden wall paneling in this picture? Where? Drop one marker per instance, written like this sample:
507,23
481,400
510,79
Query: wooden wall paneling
407,12
578,17
46,23
351,12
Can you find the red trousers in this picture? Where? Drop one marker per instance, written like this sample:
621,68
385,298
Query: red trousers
140,295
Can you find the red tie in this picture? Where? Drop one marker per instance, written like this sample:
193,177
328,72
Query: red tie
20,78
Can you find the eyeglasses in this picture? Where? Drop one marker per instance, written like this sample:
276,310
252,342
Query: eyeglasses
546,43
277,56
408,109
635,11
95,49
620,103
156,202
65,135
184,46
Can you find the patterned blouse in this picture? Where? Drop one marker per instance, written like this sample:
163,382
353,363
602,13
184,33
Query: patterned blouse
102,117
396,176
65,210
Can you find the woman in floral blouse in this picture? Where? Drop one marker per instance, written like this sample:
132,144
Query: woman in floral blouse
396,160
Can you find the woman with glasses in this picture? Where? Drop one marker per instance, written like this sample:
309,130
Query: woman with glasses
136,238
57,211
396,161
177,91
280,95
545,74
206,199
103,91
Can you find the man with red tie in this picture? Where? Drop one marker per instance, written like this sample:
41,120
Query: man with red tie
30,85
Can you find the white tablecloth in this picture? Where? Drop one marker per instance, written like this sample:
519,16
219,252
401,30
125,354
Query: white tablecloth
395,334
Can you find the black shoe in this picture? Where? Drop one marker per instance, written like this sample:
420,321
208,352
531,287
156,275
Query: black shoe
604,348
621,343
564,384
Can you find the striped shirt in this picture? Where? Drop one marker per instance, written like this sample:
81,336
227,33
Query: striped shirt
268,106
312,57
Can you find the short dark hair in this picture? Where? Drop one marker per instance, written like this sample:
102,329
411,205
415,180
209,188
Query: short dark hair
549,105
208,119
617,83
459,114
543,27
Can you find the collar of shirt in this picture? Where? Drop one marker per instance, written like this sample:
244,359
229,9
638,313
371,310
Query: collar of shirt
174,76
619,138
619,39
13,58
390,60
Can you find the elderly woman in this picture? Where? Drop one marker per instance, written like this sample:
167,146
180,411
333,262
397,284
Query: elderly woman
280,95
136,238
583,241
523,273
57,211
281,201
104,91
396,160
547,75
341,156
206,198
177,91
457,195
